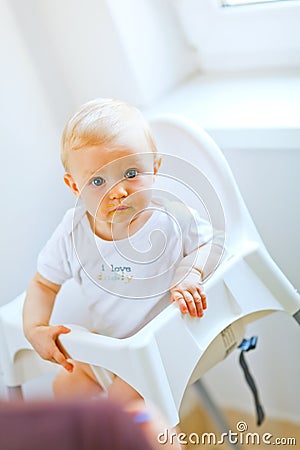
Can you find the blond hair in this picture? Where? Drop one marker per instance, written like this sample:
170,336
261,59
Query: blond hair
98,122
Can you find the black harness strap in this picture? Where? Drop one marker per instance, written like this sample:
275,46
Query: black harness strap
245,346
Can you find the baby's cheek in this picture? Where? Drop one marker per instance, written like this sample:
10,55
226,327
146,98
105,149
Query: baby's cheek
94,204
140,194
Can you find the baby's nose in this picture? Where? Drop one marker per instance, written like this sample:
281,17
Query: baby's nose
118,191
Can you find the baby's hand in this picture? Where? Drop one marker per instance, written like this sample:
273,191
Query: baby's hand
190,296
44,339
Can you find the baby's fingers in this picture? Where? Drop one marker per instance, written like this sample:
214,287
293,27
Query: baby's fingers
179,299
193,302
59,329
60,358
190,302
186,302
202,296
198,303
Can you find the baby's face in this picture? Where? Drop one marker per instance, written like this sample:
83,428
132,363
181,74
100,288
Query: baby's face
115,180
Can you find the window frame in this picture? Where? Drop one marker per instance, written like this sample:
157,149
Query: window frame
247,2
243,37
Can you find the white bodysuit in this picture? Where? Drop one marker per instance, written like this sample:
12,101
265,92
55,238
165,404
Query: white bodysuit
126,282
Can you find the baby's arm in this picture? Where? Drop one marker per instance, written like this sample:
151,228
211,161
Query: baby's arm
192,271
39,302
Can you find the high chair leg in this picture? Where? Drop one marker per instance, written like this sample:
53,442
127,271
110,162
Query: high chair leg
15,393
212,409
297,316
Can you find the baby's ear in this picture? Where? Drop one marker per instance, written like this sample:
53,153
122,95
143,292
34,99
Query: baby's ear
68,179
156,165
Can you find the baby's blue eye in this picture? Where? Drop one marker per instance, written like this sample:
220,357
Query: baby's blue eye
131,173
98,181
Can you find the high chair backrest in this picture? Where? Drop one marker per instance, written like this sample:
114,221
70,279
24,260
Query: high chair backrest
200,174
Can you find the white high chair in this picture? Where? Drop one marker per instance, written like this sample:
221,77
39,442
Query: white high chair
174,350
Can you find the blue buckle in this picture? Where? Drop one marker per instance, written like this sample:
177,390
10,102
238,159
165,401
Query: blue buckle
248,344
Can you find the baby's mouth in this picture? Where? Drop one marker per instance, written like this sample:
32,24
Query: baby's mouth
120,207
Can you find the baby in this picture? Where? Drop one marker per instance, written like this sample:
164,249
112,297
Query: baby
111,163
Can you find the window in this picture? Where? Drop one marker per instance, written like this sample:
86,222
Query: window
247,2
257,34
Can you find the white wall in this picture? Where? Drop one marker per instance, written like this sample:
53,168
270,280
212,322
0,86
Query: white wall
163,60
129,49
31,179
